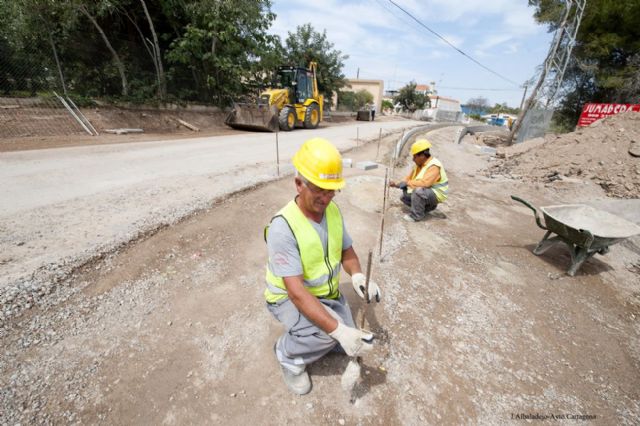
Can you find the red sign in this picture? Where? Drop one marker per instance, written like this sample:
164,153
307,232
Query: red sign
594,112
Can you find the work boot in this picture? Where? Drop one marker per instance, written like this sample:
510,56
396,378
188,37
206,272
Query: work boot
409,218
300,384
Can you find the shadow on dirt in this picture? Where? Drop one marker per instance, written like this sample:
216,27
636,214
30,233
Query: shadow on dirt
559,257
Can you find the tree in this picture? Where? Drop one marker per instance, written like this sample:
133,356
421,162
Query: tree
212,51
478,105
354,101
156,55
82,8
346,100
29,58
306,45
362,98
606,54
222,45
503,109
410,99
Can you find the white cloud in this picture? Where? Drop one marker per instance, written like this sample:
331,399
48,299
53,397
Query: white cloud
384,43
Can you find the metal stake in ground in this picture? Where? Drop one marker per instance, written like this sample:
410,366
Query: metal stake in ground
379,138
366,289
277,155
384,209
352,372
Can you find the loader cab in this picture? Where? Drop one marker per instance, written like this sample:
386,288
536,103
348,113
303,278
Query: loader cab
284,78
299,81
304,88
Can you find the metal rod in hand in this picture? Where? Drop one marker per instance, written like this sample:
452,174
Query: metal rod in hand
391,173
277,155
366,288
384,209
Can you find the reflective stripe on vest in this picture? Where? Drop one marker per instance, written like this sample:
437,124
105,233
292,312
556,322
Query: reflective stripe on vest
321,274
441,187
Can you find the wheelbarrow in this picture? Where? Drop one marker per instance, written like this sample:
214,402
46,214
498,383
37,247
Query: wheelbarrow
584,229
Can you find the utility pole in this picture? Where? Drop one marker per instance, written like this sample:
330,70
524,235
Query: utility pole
554,66
524,95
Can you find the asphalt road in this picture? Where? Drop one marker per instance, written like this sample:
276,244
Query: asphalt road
62,206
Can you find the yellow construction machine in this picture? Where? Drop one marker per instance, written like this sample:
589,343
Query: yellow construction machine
294,101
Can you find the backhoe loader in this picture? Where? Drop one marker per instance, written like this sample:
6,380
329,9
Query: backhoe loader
294,101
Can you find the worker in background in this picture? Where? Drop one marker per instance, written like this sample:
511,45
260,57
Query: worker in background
426,185
308,245
373,111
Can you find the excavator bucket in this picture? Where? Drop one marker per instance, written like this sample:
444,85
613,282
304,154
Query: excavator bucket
260,117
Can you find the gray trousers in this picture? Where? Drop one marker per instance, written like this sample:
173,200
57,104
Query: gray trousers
303,342
421,200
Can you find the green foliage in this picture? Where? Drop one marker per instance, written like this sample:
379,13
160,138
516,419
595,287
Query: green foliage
346,100
223,44
354,101
82,101
387,104
503,109
306,45
607,55
212,51
478,105
410,99
363,98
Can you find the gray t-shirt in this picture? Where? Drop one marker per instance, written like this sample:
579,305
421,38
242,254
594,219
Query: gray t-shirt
284,257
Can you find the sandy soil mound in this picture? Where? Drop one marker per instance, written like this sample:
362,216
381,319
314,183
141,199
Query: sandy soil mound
603,152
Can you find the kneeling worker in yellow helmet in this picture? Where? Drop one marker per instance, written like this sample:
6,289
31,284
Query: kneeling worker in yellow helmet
426,185
308,245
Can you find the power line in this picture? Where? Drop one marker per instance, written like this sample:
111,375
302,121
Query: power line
450,44
479,88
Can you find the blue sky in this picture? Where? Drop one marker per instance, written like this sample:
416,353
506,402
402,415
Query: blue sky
384,43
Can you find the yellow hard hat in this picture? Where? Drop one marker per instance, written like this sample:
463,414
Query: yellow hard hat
320,163
419,146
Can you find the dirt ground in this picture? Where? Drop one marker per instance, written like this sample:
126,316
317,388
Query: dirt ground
607,153
472,327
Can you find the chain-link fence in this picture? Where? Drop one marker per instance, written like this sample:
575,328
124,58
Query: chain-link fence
535,123
30,104
48,78
43,87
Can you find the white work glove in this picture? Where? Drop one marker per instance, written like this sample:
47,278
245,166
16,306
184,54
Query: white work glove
358,281
354,342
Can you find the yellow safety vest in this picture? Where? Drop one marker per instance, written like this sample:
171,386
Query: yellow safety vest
321,273
441,187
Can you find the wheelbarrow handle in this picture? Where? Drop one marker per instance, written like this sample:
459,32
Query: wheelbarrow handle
535,212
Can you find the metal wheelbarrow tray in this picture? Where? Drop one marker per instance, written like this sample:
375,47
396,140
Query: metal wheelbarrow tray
584,229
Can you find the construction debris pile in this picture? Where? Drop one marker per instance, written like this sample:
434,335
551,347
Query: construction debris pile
607,152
